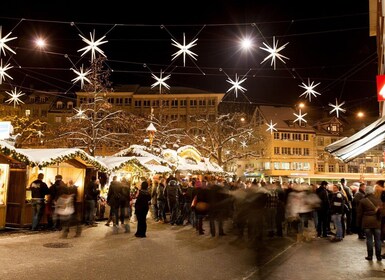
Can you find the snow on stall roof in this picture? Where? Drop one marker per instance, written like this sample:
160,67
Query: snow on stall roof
115,163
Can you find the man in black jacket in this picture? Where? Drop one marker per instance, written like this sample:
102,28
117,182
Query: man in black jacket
323,210
39,190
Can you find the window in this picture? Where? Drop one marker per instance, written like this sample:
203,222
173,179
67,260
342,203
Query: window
321,168
320,141
119,101
306,151
202,103
276,166
305,137
174,103
286,150
59,105
211,102
331,168
193,103
285,136
138,103
285,165
341,168
297,136
27,113
146,103
70,105
276,150
276,135
127,101
183,103
58,119
297,151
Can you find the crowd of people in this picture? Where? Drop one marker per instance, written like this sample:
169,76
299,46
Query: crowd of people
254,210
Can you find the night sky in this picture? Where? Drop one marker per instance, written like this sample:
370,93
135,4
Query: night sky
328,43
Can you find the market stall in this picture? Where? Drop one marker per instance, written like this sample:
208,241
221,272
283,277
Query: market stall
25,164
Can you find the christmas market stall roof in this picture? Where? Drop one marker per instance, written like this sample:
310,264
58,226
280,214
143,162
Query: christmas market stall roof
114,163
141,151
348,148
188,158
45,157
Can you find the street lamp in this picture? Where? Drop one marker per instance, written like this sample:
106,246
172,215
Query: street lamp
151,132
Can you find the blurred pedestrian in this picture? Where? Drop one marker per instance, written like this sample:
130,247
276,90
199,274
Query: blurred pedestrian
91,193
142,204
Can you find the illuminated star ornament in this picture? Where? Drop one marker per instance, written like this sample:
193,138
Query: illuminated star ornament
82,76
15,97
337,108
92,45
160,81
236,84
274,52
184,49
300,118
3,70
3,41
309,90
271,127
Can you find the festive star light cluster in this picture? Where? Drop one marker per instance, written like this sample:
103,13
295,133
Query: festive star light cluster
93,46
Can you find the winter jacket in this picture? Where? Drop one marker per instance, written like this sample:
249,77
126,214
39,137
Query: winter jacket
337,203
367,212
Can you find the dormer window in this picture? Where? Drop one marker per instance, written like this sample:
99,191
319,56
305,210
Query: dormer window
70,105
59,105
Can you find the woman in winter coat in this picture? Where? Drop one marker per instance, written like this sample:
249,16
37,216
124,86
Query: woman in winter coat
369,217
143,201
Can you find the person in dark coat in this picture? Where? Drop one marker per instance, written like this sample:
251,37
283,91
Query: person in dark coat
91,192
360,194
39,190
114,196
142,204
323,210
369,217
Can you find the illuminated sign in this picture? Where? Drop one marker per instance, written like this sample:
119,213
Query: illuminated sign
381,87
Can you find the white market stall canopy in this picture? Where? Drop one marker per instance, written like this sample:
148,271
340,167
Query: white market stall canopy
46,157
348,148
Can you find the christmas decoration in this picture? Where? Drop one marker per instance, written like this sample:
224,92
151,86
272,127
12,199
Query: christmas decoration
184,49
3,70
92,45
274,52
300,118
271,127
15,97
82,76
337,108
3,41
160,81
236,84
309,90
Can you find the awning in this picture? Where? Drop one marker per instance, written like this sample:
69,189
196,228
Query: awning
348,148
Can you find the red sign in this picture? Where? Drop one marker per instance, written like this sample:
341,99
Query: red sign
381,87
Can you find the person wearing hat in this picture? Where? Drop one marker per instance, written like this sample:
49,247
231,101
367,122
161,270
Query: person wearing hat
323,210
142,204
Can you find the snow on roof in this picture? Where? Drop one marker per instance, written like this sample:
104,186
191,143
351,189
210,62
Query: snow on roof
115,163
45,157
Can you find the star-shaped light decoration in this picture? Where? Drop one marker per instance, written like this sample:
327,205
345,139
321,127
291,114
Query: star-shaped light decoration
184,49
300,118
160,81
3,70
80,113
15,97
92,45
274,52
3,41
309,89
243,144
337,108
271,127
82,76
236,84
